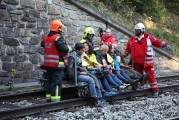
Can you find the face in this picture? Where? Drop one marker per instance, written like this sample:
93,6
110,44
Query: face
80,52
104,52
90,36
138,32
86,47
108,34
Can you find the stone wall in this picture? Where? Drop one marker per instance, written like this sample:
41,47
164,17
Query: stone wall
24,23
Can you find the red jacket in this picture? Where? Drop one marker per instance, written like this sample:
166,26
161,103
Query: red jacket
108,40
139,49
51,54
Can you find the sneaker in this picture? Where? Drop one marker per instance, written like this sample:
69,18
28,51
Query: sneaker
106,94
112,93
124,86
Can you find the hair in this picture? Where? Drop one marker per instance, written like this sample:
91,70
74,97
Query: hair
90,51
79,46
110,46
103,47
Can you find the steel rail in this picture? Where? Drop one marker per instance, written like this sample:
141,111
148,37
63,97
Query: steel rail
43,108
54,106
41,92
34,93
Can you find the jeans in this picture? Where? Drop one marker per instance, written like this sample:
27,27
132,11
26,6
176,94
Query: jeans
105,85
113,80
94,91
122,76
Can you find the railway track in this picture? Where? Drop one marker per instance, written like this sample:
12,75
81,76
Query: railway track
9,111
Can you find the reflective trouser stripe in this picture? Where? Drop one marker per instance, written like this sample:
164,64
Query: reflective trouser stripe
153,83
48,96
154,86
56,97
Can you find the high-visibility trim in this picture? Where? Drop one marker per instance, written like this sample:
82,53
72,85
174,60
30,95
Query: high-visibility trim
51,61
51,56
153,83
48,95
148,62
155,86
57,89
149,47
61,63
56,97
57,38
148,58
69,49
82,41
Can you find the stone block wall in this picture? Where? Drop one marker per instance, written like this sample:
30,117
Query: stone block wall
24,23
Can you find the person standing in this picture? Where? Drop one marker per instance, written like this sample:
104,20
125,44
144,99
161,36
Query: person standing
140,47
55,48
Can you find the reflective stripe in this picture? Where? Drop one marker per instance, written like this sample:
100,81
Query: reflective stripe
155,86
148,58
51,56
149,47
57,88
61,64
69,49
48,95
148,62
153,83
51,61
56,97
57,38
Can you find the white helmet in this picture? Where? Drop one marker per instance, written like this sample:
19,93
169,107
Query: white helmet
140,26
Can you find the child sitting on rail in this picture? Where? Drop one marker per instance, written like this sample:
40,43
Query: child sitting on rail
82,75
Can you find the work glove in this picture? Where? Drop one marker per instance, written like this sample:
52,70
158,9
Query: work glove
168,47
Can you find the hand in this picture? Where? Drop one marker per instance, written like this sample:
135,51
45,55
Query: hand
168,47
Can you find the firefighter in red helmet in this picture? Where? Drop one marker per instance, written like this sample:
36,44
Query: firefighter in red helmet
55,49
140,47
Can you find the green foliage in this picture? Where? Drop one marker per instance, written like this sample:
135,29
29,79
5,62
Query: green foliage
162,13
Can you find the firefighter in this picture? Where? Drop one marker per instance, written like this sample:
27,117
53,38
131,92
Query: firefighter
55,50
140,47
88,35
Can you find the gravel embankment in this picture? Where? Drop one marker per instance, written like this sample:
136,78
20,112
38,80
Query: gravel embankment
143,108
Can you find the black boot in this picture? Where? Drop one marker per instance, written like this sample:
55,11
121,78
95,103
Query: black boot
135,84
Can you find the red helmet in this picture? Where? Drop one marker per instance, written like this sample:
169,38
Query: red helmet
56,25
